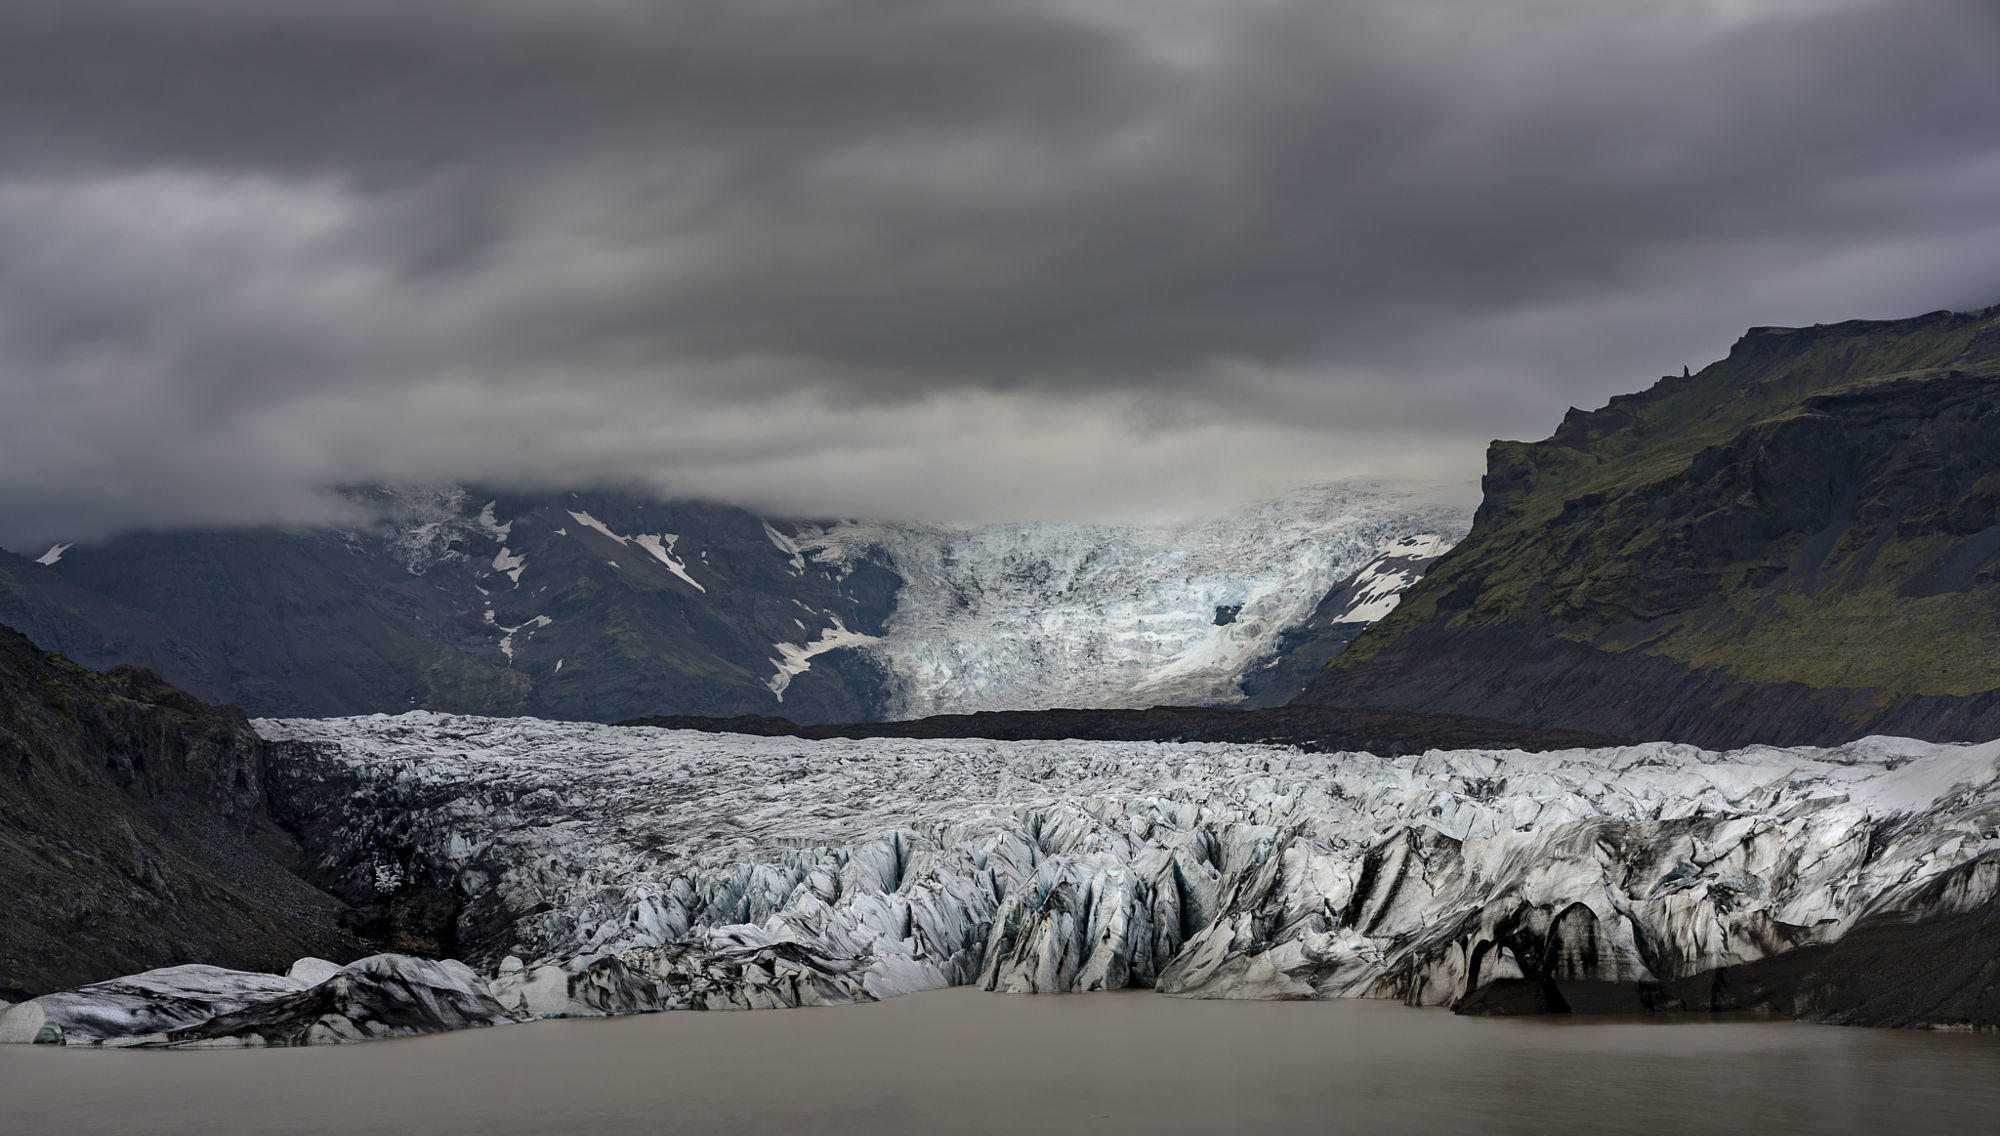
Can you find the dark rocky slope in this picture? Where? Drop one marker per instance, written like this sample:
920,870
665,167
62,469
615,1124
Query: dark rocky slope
134,833
97,632
1798,544
1315,729
593,605
1339,618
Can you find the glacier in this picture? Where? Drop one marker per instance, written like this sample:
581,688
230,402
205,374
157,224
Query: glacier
209,1007
610,870
1029,616
819,620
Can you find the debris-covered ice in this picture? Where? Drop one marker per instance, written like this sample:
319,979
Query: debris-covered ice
609,870
625,869
317,1002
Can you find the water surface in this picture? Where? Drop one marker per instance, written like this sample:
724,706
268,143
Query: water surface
963,1061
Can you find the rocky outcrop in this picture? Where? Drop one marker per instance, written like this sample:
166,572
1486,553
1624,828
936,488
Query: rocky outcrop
135,832
1351,607
1796,545
609,870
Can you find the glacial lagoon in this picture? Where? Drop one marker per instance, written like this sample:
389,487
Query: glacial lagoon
964,1061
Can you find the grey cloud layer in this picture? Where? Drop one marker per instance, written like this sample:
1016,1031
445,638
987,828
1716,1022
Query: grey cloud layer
947,259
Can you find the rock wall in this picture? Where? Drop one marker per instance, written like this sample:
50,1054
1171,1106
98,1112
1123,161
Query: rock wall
134,832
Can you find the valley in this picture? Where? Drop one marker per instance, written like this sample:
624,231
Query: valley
856,761
606,605
622,567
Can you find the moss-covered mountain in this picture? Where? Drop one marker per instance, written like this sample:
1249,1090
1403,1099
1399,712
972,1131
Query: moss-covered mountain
1800,543
598,605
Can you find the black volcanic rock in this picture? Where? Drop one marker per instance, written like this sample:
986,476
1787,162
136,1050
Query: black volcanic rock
1311,728
1798,544
135,833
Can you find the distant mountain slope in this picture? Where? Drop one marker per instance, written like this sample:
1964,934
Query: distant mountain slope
1798,544
609,605
135,833
577,605
95,631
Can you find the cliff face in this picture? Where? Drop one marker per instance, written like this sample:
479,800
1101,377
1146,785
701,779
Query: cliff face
134,832
1799,544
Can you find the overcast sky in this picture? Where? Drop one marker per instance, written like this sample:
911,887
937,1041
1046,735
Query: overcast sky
927,259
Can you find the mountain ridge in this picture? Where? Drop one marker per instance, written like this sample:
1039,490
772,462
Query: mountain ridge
1796,544
609,604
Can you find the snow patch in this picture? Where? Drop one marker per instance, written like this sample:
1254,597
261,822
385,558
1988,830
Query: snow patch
590,522
509,564
1380,586
789,547
507,640
490,525
1424,545
54,554
794,659
660,545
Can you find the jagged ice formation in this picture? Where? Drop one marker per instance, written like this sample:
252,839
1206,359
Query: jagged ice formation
617,870
1029,616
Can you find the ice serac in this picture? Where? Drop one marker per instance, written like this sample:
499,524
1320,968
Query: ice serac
1028,616
608,870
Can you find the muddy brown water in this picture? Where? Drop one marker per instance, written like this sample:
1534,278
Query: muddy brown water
961,1061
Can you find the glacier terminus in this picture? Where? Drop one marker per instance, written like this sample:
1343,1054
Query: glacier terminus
609,870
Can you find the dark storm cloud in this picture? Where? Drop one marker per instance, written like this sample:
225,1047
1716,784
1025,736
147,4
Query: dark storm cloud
949,259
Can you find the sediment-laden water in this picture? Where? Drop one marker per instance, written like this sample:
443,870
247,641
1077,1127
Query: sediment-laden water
969,1062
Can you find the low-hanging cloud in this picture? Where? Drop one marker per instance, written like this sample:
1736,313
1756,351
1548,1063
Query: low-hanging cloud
954,261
